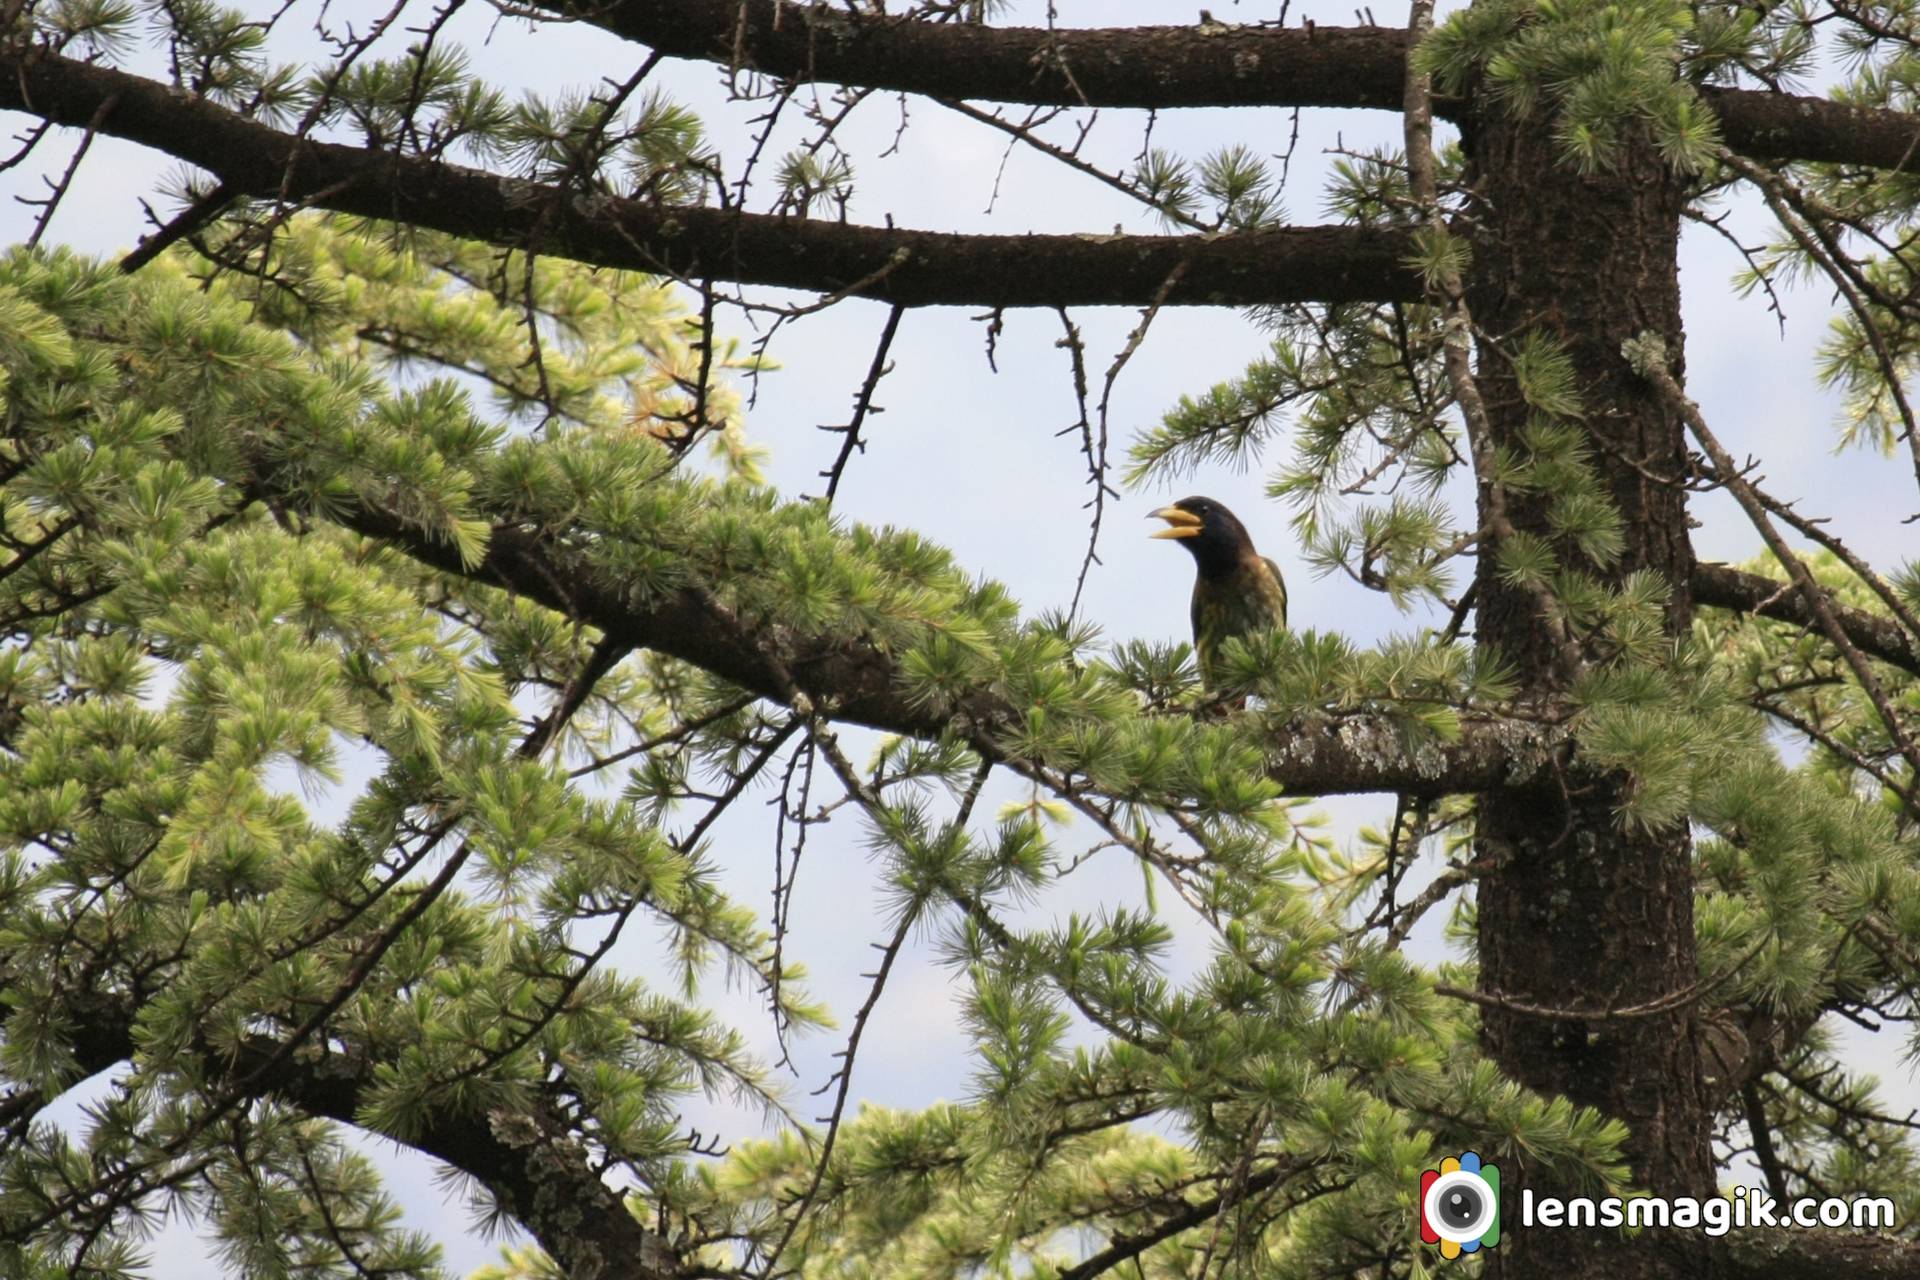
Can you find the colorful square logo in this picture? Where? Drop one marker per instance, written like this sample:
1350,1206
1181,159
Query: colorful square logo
1460,1205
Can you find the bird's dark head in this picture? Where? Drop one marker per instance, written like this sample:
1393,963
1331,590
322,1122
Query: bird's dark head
1215,536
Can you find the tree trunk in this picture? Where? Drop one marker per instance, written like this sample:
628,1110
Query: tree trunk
1583,913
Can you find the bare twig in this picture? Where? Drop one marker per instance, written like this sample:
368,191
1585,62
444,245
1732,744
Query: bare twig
202,210
863,405
842,1078
57,189
1025,133
1095,444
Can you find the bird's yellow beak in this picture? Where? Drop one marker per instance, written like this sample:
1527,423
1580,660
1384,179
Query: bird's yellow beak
1180,524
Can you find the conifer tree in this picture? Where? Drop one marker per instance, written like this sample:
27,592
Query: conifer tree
378,446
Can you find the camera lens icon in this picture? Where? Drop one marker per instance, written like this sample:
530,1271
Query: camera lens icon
1460,1206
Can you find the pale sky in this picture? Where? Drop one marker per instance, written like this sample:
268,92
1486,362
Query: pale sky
974,460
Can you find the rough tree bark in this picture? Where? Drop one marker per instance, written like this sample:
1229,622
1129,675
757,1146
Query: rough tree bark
1170,66
1583,913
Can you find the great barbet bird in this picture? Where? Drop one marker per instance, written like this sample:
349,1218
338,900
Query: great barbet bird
1236,591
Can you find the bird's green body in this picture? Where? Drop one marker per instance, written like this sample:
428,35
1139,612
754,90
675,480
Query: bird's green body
1236,590
1246,600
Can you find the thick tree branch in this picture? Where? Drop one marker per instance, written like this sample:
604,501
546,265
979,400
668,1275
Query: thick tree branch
1785,126
910,268
851,680
1189,66
1723,587
1160,67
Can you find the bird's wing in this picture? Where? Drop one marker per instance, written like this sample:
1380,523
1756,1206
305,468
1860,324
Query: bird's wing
1279,582
1202,642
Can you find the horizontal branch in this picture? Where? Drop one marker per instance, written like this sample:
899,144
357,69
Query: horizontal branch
1186,66
1785,126
910,268
1723,587
1213,65
854,681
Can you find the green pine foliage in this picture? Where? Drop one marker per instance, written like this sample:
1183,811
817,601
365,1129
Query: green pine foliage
182,658
196,634
200,624
1591,66
296,778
